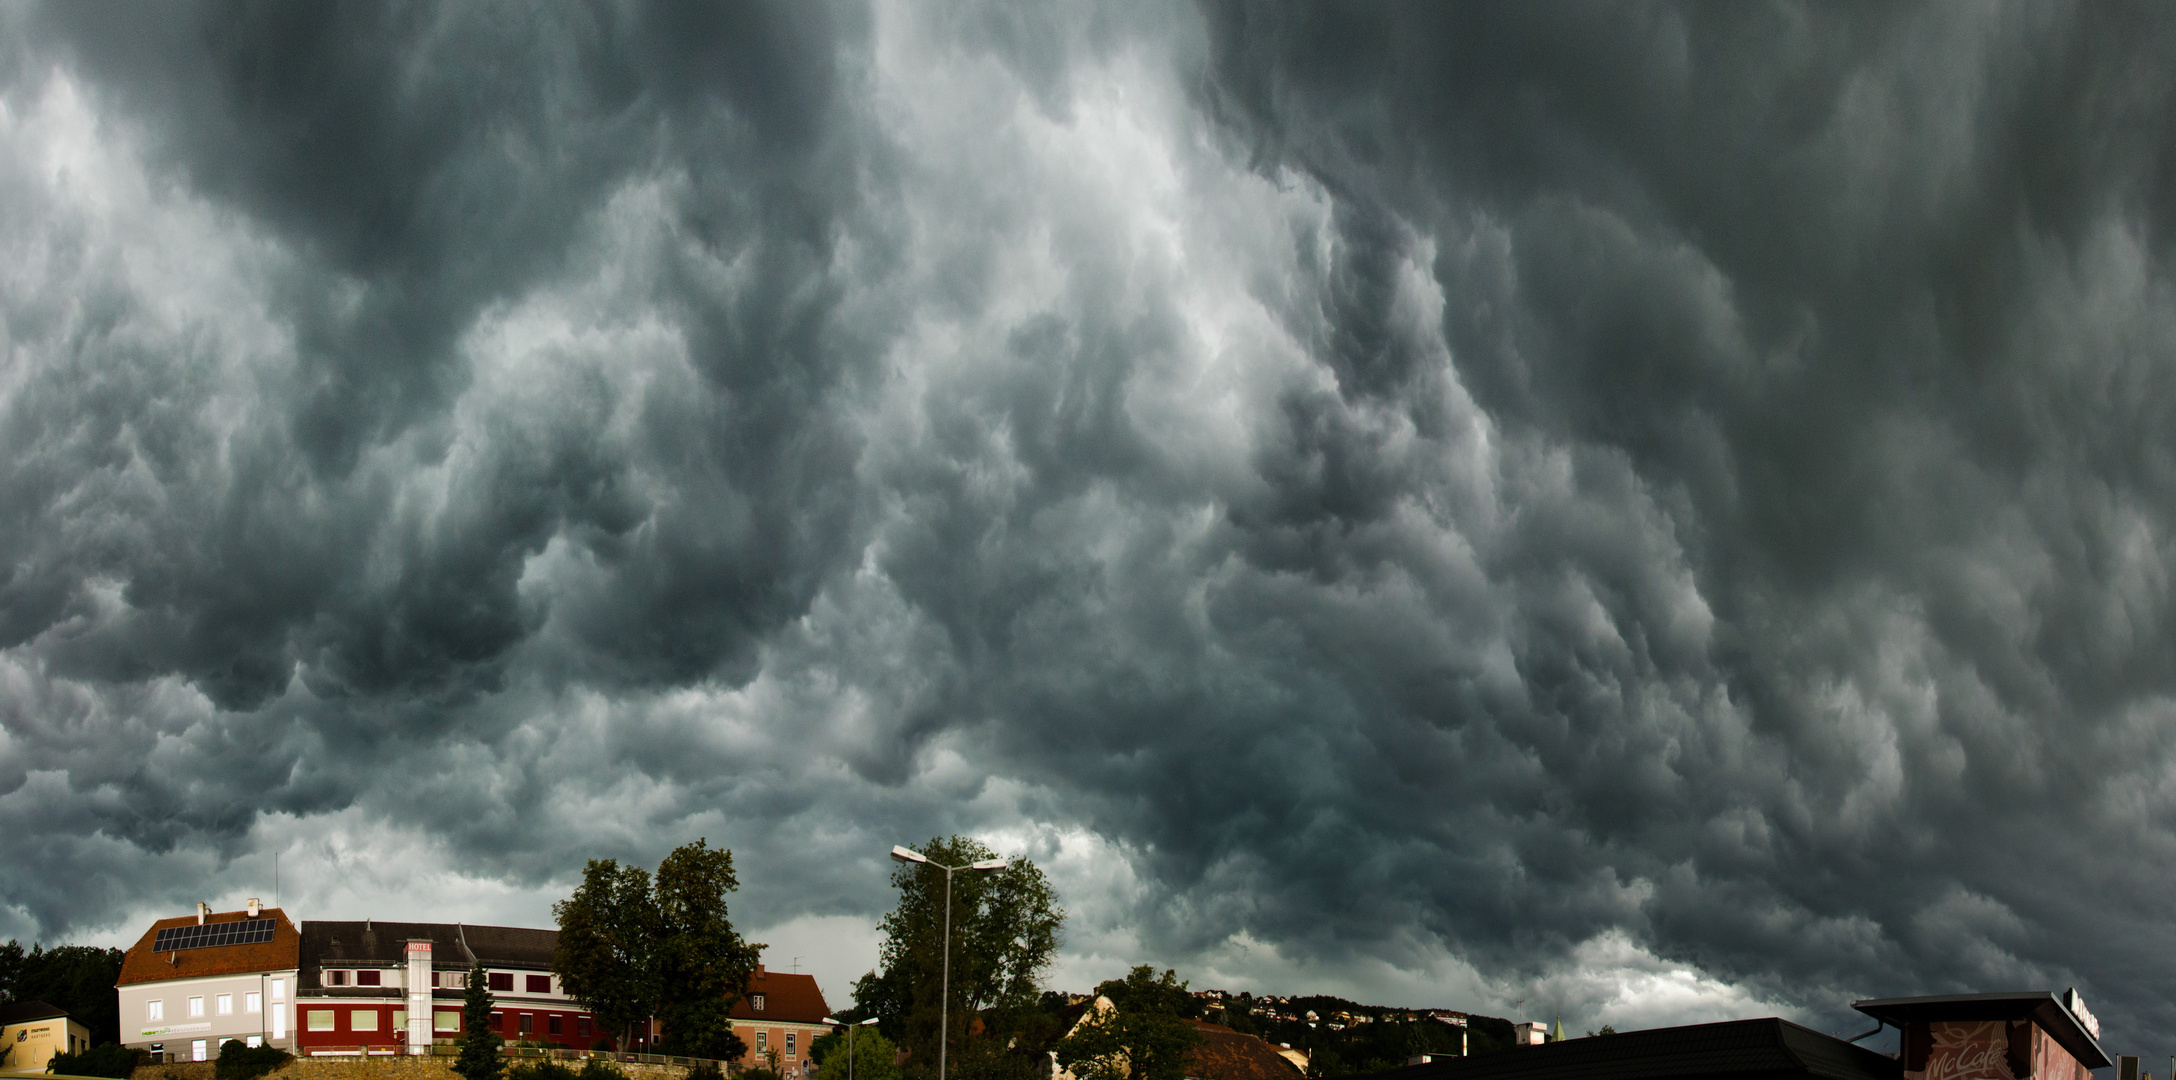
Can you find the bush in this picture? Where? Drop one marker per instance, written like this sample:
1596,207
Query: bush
105,1059
708,1070
240,1061
545,1069
599,1069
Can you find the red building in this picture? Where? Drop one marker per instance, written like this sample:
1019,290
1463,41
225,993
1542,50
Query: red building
365,985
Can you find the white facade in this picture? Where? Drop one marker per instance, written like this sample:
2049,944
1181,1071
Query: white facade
188,1018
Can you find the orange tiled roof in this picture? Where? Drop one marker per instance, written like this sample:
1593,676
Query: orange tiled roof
1224,1054
141,965
787,999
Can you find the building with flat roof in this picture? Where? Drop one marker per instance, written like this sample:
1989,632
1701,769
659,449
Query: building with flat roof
2036,1035
2033,1035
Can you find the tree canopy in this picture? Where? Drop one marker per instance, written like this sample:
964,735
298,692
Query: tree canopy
78,978
479,1058
632,947
607,934
874,1056
1143,1036
1005,927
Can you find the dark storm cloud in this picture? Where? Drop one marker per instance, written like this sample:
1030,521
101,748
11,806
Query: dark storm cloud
1574,491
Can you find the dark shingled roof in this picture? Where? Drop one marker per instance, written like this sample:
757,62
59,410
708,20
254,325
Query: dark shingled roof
24,1012
376,943
1769,1048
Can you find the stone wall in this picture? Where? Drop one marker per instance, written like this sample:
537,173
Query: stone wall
385,1068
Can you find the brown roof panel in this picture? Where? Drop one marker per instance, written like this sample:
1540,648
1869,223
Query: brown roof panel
1224,1054
787,998
141,965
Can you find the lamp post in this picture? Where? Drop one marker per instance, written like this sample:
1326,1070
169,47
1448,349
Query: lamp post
944,987
850,1038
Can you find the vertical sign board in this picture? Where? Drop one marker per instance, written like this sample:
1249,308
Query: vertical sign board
419,997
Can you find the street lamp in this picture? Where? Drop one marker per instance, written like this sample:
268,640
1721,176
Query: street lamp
944,987
850,1038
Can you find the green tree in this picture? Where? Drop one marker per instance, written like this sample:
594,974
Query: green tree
240,1061
1005,927
106,1059
479,1059
607,937
702,963
78,978
1143,1036
632,947
874,1056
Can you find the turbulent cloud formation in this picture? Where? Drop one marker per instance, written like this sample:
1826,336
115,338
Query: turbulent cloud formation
1663,512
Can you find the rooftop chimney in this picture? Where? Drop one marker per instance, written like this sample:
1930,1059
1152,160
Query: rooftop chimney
202,909
256,907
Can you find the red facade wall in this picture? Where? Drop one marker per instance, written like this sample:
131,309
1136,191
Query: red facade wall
385,1037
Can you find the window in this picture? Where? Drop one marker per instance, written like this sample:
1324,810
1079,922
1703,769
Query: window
363,1020
528,1023
253,1041
789,1044
502,980
400,1019
581,1026
154,1010
336,978
279,989
540,984
224,1003
758,999
366,978
456,979
253,1002
551,1024
318,1019
196,1049
762,1041
444,1020
196,1006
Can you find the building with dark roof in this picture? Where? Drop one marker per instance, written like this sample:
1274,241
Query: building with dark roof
2018,1036
1765,1049
31,1032
362,980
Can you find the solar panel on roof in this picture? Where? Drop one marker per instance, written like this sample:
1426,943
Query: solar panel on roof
211,935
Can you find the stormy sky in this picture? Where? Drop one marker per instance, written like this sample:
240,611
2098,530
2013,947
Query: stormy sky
1641,512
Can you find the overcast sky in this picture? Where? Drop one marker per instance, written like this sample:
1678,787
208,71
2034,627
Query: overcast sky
1643,513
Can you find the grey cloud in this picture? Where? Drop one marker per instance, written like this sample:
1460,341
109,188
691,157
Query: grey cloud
1584,490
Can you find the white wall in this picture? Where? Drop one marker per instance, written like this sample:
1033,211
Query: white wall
178,1029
